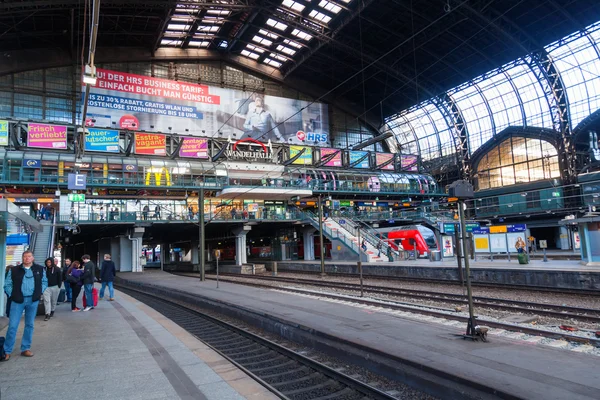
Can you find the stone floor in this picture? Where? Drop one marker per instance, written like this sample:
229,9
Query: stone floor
120,350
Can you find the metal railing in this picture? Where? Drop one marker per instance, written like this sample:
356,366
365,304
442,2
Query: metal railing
330,233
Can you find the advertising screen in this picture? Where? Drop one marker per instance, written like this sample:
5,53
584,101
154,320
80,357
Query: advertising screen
139,102
409,163
336,161
105,140
194,148
46,136
3,133
306,157
358,155
382,158
150,144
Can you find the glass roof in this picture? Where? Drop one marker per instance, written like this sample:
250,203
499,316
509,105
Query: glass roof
511,95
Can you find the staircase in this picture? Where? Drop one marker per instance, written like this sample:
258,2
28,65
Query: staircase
334,231
43,240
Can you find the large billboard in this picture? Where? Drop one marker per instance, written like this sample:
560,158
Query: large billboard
105,140
384,161
45,136
409,162
194,147
150,144
359,159
305,159
3,133
335,161
139,102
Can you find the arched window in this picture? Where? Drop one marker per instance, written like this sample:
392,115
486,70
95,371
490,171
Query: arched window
517,160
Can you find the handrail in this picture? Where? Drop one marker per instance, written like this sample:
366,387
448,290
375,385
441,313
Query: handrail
366,232
50,252
355,247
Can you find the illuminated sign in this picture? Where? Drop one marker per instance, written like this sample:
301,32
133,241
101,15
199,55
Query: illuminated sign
158,172
384,161
306,157
76,198
363,156
130,168
335,161
105,140
29,163
150,144
76,182
46,136
311,137
194,148
250,150
3,133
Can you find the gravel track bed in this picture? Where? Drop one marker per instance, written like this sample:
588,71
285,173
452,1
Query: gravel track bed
394,388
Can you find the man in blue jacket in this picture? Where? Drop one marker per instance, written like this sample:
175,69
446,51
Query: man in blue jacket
24,285
107,276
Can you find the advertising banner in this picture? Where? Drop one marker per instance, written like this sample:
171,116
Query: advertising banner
3,133
357,155
305,159
150,144
194,148
139,102
409,162
46,136
382,158
105,140
336,161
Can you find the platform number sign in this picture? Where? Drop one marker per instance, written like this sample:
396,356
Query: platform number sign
543,244
76,198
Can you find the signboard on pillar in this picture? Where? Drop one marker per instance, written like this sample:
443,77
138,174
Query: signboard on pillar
76,182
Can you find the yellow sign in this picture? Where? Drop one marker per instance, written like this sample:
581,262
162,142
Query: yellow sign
158,173
217,253
452,199
482,243
498,229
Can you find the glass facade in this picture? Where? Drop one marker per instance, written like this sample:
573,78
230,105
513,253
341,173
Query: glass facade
511,95
517,160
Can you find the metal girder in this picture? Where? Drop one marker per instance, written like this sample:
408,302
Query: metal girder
324,39
8,6
461,135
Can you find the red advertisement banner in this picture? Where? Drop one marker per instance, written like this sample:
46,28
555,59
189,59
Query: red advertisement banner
145,85
150,144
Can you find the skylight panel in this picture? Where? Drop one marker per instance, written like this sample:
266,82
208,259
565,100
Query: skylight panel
273,63
268,34
334,8
319,16
294,5
177,27
208,28
301,34
254,48
170,42
198,43
262,40
286,50
218,11
276,24
292,43
249,54
347,1
278,57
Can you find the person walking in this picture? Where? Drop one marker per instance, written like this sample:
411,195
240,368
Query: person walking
54,277
107,276
74,279
88,281
157,212
65,271
145,212
24,285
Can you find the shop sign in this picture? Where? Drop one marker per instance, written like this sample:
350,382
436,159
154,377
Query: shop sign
274,203
45,136
104,140
76,197
29,163
130,168
3,133
249,150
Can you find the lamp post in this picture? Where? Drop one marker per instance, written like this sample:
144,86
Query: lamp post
201,234
463,234
359,263
321,246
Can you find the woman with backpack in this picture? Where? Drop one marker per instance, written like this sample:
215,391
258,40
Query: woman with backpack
74,279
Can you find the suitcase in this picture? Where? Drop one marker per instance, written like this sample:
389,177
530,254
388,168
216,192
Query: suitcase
94,296
522,258
61,296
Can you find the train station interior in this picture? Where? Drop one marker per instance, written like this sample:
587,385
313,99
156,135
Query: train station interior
435,142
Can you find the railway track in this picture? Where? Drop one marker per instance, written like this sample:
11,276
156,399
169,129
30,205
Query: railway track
543,289
549,310
286,373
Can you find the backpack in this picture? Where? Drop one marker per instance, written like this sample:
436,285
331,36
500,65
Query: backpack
72,279
2,352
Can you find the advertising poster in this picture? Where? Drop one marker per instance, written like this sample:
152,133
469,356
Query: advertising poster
482,243
46,136
336,161
448,249
139,102
357,155
512,240
409,163
498,243
150,144
306,157
3,133
382,158
194,148
105,140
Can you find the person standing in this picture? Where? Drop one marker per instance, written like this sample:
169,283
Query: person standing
76,272
66,271
145,212
520,245
54,277
24,285
107,276
88,281
157,212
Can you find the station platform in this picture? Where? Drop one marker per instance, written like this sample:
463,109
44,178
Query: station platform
504,367
120,350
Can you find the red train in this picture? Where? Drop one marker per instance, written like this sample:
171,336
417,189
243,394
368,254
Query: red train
410,237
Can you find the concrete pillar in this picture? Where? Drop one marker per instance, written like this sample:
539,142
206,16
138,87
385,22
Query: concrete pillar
115,252
308,239
195,259
125,250
240,244
136,254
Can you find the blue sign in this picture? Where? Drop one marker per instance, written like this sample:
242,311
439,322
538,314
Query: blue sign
105,140
130,168
449,228
29,163
357,155
391,221
76,182
482,230
342,222
316,137
516,228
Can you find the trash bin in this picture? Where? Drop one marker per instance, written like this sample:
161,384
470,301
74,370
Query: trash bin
522,258
435,256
